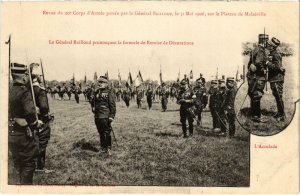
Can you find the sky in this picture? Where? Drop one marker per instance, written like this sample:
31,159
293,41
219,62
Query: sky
217,40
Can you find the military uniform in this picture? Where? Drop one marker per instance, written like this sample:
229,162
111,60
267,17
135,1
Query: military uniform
201,99
164,97
139,97
213,91
126,97
43,115
76,91
149,95
185,99
201,79
276,77
256,76
219,103
228,105
104,108
23,143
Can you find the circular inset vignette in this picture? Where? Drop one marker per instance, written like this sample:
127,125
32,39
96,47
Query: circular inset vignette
268,109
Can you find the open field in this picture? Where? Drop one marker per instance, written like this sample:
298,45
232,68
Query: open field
151,150
268,104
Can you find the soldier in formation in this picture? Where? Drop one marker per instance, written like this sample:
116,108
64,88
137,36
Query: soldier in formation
186,101
139,97
76,90
164,94
213,91
220,113
104,108
23,125
201,98
41,101
126,97
149,95
228,105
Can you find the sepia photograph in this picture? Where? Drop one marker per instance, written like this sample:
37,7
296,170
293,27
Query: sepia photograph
267,104
144,94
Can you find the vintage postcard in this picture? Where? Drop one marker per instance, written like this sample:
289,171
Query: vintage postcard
182,97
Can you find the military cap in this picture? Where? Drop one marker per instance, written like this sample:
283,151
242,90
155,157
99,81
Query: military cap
18,68
214,82
230,79
262,38
221,81
183,82
103,79
274,42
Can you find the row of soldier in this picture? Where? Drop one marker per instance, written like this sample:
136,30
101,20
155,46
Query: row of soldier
29,122
29,115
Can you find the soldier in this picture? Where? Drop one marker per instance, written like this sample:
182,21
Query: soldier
43,115
164,97
104,108
149,95
23,124
201,78
76,90
61,92
256,76
201,98
228,105
186,101
89,92
118,94
139,96
213,91
69,91
276,76
126,97
219,109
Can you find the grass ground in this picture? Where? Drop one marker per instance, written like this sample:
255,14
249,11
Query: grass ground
268,104
151,150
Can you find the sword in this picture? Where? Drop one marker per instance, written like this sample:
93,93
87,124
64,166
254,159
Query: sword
113,134
193,114
222,122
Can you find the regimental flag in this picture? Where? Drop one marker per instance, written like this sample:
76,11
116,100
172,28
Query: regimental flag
95,77
73,80
237,75
129,81
178,77
191,75
119,77
160,76
106,74
85,79
139,79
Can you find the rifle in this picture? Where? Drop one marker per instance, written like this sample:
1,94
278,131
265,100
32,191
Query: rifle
51,116
33,98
